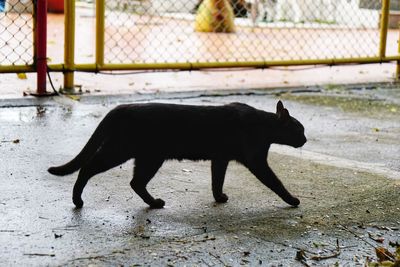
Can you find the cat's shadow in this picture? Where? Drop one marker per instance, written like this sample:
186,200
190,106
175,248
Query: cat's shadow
139,217
145,222
77,214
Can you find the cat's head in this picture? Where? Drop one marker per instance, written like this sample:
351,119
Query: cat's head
291,130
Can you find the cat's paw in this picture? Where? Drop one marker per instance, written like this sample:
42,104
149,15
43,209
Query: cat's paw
294,201
157,204
78,203
221,198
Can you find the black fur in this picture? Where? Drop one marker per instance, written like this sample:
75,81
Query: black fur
152,133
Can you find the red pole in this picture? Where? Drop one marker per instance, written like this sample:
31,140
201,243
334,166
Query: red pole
41,46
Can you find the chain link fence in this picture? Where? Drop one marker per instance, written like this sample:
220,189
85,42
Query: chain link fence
186,31
16,32
174,31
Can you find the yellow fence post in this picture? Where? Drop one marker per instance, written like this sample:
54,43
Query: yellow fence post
100,21
69,46
384,27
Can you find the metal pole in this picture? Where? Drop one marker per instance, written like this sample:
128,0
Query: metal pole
69,47
41,46
100,21
384,27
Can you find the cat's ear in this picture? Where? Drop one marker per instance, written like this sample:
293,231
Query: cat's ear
282,112
279,107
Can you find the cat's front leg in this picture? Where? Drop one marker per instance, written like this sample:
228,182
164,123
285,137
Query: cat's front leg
264,173
218,170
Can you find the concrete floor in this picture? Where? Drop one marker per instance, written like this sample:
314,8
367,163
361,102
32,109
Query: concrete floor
347,177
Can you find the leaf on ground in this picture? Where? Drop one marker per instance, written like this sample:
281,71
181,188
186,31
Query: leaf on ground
22,76
376,238
74,97
383,254
385,257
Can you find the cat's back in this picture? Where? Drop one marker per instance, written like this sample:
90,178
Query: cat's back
177,113
188,118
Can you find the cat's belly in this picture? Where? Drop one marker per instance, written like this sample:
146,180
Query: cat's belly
182,151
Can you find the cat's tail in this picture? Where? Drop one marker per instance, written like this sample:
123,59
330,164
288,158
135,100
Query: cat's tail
88,150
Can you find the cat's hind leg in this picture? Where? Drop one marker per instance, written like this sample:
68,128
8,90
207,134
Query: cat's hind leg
264,173
218,170
145,169
108,156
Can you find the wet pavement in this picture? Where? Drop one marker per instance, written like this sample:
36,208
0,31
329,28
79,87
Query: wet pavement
347,177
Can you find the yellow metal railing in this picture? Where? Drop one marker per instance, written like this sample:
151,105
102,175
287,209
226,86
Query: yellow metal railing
384,28
69,66
69,46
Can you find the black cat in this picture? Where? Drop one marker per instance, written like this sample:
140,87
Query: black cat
152,133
